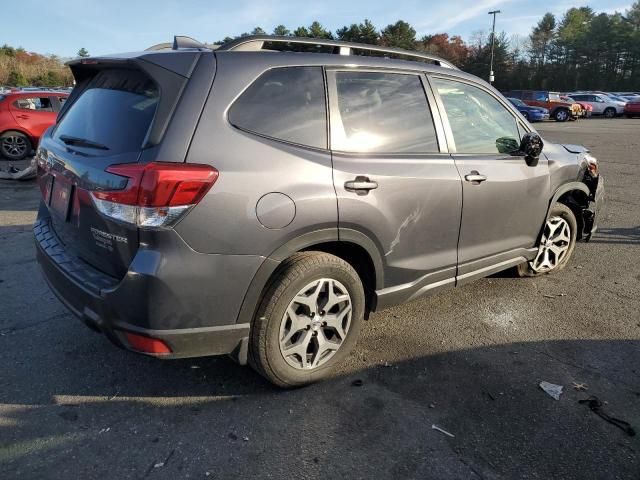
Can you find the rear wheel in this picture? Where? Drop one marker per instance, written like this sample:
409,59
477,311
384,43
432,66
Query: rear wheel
556,245
561,115
308,321
15,145
610,112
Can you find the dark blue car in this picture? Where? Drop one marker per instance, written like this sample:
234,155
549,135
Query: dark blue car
533,114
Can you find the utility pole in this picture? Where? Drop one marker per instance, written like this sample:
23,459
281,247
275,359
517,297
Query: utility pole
493,42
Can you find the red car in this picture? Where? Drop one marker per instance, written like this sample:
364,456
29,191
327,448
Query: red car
24,116
632,109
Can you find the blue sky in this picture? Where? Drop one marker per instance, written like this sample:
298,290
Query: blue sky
63,26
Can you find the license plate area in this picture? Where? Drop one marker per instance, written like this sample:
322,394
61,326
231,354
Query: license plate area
61,193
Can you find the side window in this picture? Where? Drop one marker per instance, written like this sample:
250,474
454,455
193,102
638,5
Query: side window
540,96
380,113
286,104
527,96
42,104
479,122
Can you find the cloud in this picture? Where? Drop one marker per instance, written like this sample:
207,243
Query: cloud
454,14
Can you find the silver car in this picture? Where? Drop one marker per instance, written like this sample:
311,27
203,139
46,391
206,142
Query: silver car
602,104
262,202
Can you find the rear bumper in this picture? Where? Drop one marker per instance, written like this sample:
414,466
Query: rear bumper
188,300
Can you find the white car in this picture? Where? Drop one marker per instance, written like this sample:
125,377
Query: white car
602,104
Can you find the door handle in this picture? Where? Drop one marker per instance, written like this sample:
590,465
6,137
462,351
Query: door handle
360,184
475,177
24,117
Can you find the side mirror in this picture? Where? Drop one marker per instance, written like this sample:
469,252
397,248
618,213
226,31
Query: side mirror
531,147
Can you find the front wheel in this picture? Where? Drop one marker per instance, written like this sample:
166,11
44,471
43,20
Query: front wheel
610,113
561,115
556,245
308,321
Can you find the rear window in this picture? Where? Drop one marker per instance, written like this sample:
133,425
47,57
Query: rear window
115,111
286,104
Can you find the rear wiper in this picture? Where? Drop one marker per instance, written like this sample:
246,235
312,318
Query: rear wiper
82,142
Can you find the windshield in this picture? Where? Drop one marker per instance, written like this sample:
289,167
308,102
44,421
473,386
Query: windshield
517,101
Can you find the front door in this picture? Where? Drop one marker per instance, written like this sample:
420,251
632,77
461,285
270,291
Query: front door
34,114
395,183
504,200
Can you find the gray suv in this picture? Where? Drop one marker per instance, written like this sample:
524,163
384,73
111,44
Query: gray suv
262,198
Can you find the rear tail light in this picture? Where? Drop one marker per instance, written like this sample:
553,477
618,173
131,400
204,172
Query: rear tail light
157,194
147,344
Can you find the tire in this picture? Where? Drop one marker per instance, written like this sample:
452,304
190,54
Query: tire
561,115
610,112
283,325
535,268
14,145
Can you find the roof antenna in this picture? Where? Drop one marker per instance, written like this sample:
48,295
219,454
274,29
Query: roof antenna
180,41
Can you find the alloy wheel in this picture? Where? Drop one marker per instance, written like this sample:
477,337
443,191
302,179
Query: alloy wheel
315,324
554,245
14,146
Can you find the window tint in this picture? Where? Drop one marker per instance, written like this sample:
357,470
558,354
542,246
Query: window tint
287,104
381,113
479,122
115,110
42,104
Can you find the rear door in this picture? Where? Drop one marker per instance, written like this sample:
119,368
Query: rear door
33,113
395,182
504,200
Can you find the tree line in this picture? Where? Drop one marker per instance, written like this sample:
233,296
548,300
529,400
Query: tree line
578,50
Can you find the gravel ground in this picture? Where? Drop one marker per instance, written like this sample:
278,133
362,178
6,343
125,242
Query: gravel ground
469,361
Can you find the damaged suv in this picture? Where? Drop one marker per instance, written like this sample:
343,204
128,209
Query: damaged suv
262,198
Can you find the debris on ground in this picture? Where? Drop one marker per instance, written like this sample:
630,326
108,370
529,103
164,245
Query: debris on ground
581,387
245,439
158,465
442,430
104,430
595,405
357,383
551,389
556,295
14,173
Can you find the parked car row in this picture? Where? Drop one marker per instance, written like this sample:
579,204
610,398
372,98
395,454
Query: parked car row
538,105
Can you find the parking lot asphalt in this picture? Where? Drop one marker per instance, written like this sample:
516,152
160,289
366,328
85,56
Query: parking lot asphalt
468,361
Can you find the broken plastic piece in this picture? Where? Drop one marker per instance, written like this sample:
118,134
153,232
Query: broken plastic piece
551,389
13,173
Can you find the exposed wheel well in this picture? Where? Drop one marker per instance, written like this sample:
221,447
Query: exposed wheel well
361,262
577,201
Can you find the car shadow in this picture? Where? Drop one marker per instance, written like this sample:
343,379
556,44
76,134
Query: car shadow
91,411
618,236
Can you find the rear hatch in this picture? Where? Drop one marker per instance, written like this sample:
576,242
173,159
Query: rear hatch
116,115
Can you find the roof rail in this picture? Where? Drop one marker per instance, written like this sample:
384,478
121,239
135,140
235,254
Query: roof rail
252,43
